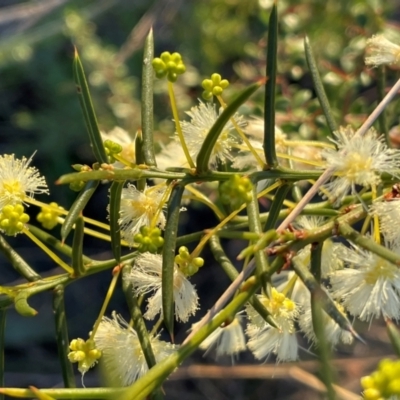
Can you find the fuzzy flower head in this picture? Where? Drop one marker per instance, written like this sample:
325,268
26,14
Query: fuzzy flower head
369,288
245,160
388,213
228,339
381,51
359,160
171,155
264,338
18,180
203,118
122,358
139,208
146,278
255,129
333,333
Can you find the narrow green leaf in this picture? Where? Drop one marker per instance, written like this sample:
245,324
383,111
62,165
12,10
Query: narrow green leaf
3,315
56,244
297,193
171,231
62,337
203,157
138,323
229,269
77,207
319,87
253,213
141,183
323,347
77,248
125,174
22,306
115,229
18,263
88,110
368,244
316,258
139,147
270,84
276,206
147,100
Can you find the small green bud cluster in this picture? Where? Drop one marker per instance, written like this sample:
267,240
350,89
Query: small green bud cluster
188,265
13,219
236,191
77,186
84,353
48,215
112,149
169,65
214,86
384,382
149,239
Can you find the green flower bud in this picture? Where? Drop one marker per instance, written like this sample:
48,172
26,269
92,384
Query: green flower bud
84,353
184,252
169,65
217,91
198,262
188,265
172,77
214,86
236,191
77,167
112,149
207,95
149,239
207,85
77,186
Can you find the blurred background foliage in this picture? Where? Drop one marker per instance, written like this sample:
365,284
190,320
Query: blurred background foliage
39,109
